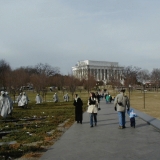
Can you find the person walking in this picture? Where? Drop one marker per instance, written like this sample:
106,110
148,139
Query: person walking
132,116
78,103
107,98
98,97
121,102
92,108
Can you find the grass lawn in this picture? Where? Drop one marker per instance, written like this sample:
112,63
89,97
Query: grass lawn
151,105
36,127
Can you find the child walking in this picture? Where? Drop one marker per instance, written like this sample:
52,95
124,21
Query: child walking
132,116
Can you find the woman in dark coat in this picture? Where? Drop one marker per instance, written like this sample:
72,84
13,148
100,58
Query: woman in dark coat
78,103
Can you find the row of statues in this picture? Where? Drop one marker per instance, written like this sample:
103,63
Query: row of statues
23,99
6,103
65,97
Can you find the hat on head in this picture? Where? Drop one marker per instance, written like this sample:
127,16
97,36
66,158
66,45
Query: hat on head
123,90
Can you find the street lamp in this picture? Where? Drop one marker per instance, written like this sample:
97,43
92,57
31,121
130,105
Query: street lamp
144,86
129,91
96,86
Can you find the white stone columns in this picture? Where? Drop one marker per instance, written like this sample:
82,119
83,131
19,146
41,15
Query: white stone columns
104,74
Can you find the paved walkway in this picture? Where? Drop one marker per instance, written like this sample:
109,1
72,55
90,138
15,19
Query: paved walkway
105,141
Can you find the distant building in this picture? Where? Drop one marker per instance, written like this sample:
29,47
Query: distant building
100,70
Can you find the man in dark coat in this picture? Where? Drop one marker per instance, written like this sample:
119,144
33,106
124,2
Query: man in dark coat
78,103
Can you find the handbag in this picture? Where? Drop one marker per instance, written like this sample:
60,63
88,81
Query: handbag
120,103
90,108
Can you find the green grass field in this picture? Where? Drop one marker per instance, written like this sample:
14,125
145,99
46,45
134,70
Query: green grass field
33,124
151,104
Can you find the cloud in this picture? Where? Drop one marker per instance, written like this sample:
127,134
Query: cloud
61,32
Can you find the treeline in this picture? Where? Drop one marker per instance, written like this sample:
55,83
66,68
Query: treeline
41,77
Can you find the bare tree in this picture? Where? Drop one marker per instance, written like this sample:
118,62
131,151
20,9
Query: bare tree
40,83
46,69
130,75
16,80
4,70
89,83
72,84
58,81
155,77
143,76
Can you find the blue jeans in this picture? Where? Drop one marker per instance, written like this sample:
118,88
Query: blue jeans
93,117
107,101
122,118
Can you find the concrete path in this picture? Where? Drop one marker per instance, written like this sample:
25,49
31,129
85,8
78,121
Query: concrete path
105,141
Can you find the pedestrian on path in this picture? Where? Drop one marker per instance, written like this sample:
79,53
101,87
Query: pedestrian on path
121,102
92,109
132,116
98,99
108,98
78,103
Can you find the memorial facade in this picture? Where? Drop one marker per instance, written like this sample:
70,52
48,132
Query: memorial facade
100,70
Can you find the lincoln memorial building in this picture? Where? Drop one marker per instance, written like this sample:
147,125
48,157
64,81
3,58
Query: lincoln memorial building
100,70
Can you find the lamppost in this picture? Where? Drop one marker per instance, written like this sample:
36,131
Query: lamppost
129,91
144,86
97,86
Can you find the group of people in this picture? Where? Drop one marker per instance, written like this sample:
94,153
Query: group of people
121,104
93,107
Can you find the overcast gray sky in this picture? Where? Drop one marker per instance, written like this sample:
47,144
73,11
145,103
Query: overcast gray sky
62,32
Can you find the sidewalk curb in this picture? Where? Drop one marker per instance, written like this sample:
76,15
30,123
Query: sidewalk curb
150,120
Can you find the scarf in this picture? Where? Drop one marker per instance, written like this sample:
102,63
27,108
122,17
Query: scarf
76,98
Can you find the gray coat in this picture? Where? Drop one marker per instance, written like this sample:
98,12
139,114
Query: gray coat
125,102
